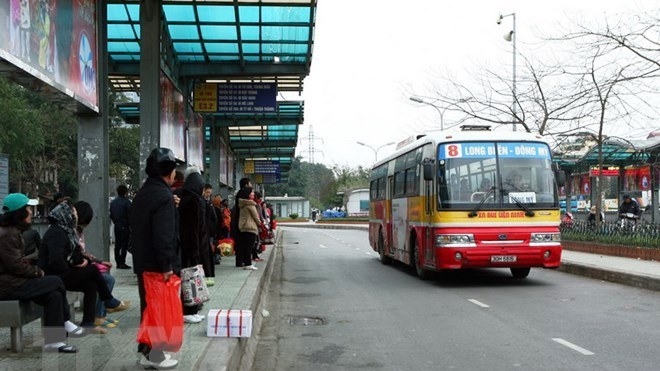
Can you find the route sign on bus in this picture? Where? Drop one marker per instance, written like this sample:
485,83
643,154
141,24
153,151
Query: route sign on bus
502,149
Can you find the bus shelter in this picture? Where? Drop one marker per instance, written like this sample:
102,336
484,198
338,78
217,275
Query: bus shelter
218,81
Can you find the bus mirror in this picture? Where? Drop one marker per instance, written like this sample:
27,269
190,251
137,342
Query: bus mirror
428,169
561,178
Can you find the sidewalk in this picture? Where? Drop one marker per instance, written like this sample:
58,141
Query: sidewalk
632,272
234,288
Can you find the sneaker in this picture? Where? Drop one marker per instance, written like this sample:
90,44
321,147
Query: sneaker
165,364
250,267
123,305
191,318
123,266
257,260
210,282
201,316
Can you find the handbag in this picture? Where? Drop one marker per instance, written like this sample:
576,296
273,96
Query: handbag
162,321
193,286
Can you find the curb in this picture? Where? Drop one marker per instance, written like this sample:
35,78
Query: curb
238,353
625,278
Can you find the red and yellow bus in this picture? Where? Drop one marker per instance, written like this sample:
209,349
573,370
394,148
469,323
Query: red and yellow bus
468,198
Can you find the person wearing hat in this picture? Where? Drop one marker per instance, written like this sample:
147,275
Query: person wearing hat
20,280
629,205
154,237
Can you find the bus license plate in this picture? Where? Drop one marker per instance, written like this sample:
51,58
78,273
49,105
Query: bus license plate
503,259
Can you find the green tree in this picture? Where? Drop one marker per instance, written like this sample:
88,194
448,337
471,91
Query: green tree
124,147
40,139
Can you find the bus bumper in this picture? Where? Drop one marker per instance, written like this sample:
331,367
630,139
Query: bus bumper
537,256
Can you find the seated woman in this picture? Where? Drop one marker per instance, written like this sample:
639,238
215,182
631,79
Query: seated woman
20,280
85,215
61,255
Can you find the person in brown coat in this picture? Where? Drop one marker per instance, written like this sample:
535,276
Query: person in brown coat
20,280
248,226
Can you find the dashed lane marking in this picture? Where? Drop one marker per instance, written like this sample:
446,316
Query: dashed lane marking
477,302
573,346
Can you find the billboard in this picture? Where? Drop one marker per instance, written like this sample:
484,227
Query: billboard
172,118
54,41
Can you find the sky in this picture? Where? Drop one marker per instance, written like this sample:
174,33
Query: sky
370,56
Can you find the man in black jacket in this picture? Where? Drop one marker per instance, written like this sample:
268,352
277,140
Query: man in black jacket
153,236
119,215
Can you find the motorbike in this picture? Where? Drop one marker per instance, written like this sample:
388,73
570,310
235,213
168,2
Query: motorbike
627,222
567,221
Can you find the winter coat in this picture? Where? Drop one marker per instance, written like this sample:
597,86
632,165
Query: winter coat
193,231
248,219
14,268
153,233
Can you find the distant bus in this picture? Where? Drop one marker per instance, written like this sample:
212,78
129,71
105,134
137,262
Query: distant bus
467,198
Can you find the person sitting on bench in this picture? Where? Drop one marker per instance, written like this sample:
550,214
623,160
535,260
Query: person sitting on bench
20,280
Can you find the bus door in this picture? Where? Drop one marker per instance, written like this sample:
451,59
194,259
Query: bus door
428,172
388,214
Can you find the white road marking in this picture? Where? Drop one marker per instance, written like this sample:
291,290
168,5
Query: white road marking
323,246
573,346
477,302
357,249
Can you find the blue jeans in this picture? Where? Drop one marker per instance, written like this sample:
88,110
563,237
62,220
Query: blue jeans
100,306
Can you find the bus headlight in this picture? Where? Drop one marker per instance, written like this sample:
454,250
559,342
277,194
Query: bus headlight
545,238
454,240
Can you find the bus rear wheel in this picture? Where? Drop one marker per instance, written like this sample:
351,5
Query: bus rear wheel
384,259
520,272
422,273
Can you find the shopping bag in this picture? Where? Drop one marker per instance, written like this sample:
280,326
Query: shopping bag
162,321
193,286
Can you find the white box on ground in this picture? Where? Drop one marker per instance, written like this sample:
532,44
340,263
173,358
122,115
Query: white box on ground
229,323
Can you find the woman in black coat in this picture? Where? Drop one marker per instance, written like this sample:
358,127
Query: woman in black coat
61,255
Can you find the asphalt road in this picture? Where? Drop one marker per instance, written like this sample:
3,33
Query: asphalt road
333,306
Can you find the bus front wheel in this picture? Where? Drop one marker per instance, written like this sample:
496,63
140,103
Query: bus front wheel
422,273
520,272
384,259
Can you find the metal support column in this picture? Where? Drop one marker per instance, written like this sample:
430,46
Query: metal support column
150,95
93,150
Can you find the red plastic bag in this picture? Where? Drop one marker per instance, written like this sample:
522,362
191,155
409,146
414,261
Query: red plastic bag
162,321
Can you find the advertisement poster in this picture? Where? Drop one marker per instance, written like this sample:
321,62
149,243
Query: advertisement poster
196,141
172,118
55,41
224,169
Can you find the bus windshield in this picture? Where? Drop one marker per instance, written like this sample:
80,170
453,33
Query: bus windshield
496,175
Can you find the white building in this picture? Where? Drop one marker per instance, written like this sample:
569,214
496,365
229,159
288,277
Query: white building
358,202
285,206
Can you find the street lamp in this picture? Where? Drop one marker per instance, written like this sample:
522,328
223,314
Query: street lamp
441,112
511,37
375,149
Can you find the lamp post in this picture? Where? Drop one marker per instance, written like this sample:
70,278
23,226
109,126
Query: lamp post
511,37
441,112
375,149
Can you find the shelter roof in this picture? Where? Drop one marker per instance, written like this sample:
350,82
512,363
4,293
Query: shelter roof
233,41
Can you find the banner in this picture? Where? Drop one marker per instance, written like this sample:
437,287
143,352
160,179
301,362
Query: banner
54,41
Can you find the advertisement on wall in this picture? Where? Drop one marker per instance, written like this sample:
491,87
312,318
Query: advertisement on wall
196,141
224,169
55,41
172,118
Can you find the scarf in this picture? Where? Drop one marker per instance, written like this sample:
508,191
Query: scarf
62,216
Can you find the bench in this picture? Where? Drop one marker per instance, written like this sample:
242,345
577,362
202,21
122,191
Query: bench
16,313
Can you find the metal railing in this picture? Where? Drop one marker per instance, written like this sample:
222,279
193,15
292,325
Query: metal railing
640,234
